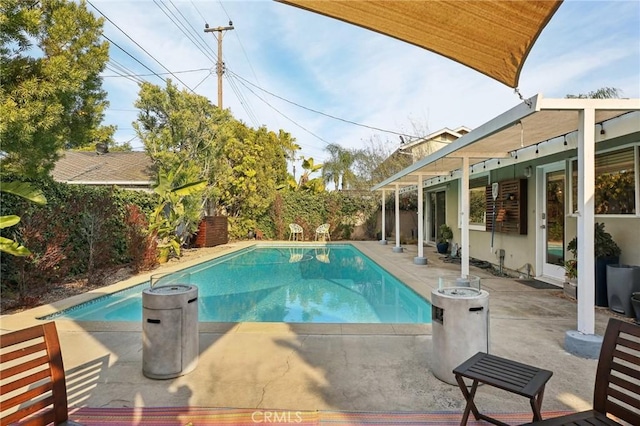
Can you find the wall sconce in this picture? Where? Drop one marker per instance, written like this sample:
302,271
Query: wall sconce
528,171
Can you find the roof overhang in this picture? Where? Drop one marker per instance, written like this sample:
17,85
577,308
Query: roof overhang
492,37
533,122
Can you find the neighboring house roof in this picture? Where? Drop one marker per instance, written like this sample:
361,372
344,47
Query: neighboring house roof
445,135
126,169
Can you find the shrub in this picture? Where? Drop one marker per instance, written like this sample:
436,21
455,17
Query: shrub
142,246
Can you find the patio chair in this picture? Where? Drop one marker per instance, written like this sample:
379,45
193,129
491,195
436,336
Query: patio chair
296,255
322,232
322,255
296,233
616,392
32,372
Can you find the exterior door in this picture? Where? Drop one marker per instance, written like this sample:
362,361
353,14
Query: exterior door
551,244
437,213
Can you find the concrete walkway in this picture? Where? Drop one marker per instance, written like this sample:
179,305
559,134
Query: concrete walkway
330,367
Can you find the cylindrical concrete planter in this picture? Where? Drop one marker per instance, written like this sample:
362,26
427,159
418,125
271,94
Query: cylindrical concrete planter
622,281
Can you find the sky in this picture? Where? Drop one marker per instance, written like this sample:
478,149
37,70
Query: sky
294,70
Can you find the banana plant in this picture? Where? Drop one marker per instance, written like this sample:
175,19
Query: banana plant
169,220
26,191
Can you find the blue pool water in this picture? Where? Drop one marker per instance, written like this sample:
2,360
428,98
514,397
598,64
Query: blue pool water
297,284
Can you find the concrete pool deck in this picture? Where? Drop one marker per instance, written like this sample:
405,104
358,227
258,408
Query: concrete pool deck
329,367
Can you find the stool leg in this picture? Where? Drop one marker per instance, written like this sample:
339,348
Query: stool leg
536,405
468,396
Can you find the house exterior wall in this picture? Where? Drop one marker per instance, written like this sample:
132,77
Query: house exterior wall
521,250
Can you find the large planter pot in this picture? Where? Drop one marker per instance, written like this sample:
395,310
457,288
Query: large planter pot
635,302
601,279
442,248
622,282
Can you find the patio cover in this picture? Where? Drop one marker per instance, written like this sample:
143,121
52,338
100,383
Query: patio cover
492,37
511,138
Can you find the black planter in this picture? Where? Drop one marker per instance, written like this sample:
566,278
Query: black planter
442,248
601,279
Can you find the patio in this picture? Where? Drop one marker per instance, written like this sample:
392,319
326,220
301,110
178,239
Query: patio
332,367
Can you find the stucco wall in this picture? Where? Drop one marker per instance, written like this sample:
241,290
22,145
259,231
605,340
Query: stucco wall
625,232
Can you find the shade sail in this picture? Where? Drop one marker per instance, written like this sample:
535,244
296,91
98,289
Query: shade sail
492,37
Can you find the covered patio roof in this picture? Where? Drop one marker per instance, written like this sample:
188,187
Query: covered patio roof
535,121
492,37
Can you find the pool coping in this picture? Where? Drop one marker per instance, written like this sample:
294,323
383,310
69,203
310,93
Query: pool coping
30,317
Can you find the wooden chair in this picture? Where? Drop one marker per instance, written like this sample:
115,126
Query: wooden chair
33,380
617,388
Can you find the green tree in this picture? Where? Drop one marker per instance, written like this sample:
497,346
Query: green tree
188,136
602,93
253,164
375,162
338,168
51,56
306,183
180,131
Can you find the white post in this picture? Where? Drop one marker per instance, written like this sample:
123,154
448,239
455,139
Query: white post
397,248
420,218
586,221
464,217
420,259
383,240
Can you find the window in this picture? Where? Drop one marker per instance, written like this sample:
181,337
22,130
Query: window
615,189
478,201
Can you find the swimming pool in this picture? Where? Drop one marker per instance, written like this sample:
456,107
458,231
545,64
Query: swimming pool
294,284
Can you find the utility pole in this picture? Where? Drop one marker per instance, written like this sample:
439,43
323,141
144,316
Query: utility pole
220,64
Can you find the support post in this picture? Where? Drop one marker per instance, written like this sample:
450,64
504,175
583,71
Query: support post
464,218
397,248
586,221
420,259
383,240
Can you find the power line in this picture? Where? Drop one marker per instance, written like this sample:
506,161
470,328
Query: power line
181,26
243,102
160,73
282,114
322,113
133,57
198,33
137,44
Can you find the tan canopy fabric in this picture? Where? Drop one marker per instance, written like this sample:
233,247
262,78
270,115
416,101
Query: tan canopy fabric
492,37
